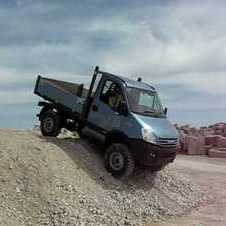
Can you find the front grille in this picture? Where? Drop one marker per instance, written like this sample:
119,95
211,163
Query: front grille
168,142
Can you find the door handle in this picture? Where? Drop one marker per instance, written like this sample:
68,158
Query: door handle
95,107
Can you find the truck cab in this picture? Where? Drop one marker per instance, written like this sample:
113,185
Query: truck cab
127,117
128,112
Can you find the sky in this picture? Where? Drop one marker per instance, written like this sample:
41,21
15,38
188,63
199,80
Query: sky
177,46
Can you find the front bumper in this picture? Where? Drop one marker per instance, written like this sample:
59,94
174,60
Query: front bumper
147,154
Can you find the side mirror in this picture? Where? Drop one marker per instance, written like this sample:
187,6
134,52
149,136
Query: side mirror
165,111
122,108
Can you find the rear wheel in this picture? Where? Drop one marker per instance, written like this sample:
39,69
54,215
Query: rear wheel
119,161
50,124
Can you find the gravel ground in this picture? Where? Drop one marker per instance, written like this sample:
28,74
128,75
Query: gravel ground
62,181
210,175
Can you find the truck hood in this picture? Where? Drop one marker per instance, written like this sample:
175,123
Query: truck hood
161,127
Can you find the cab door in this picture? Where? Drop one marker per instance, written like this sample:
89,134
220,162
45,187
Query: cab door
103,115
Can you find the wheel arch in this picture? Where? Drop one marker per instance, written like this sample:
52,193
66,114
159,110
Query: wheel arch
116,136
51,107
45,107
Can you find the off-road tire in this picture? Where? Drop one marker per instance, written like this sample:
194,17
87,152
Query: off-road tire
128,165
52,118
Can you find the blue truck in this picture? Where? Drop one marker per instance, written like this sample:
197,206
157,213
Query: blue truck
125,115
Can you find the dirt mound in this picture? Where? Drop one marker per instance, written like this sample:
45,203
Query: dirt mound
62,181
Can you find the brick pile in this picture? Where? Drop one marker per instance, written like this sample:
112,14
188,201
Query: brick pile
209,140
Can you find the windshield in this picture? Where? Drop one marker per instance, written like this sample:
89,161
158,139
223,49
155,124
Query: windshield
144,101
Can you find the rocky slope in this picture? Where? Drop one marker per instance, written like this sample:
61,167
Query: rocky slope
62,181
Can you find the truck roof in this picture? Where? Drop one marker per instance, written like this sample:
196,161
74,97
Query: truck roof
132,83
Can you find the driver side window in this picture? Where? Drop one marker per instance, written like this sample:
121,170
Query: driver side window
111,95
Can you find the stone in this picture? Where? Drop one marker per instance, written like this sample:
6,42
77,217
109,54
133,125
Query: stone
185,128
219,132
208,147
221,142
219,126
217,153
209,132
182,141
224,132
10,166
186,141
196,145
221,149
211,140
194,131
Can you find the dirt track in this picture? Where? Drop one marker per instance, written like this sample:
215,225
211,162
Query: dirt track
210,175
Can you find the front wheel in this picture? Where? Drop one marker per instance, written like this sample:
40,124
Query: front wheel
50,124
119,161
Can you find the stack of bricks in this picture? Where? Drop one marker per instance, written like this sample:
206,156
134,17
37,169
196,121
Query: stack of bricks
209,140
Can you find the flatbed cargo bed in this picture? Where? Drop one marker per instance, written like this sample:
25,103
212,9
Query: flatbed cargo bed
72,96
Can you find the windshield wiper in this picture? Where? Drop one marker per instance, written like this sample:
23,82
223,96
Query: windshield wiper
153,112
150,112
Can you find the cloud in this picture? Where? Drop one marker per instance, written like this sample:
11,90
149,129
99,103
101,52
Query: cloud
178,46
15,88
16,97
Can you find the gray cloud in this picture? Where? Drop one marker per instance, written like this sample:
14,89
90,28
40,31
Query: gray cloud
179,46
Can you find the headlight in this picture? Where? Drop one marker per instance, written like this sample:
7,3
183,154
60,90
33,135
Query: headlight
148,135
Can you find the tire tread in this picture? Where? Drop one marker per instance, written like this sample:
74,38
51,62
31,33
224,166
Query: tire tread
130,163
